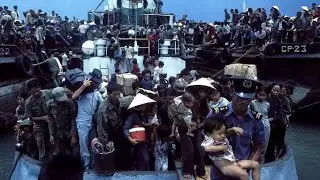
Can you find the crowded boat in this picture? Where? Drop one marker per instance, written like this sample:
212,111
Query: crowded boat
138,118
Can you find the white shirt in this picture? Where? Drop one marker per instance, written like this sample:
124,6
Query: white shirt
157,72
40,34
83,28
59,64
221,103
64,59
15,15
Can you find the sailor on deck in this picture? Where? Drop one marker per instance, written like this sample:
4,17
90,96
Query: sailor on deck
246,129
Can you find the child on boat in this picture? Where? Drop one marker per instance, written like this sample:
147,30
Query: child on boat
180,112
26,139
20,110
220,152
21,98
161,149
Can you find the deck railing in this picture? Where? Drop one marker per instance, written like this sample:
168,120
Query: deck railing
142,50
169,47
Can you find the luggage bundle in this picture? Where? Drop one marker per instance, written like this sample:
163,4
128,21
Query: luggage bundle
74,78
242,70
126,80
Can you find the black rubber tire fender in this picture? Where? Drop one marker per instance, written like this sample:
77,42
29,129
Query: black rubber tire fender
25,65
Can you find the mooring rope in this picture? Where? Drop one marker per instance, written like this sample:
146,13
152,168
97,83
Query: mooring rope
236,61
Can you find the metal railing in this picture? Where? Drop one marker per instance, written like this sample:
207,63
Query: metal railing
169,50
123,42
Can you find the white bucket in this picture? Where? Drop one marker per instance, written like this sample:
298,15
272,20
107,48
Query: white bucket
167,42
165,46
101,47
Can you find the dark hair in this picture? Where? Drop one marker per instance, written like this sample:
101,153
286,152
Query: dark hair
134,61
170,92
161,63
262,89
269,87
214,123
49,53
172,80
184,72
62,167
33,84
117,71
187,97
218,87
135,85
22,95
113,86
163,132
290,90
161,87
144,72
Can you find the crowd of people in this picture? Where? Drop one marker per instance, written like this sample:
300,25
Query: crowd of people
238,28
232,125
257,26
42,31
190,119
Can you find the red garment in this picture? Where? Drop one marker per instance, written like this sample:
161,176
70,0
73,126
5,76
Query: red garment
318,12
135,69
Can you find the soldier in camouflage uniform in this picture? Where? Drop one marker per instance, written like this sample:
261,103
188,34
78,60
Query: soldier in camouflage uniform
36,110
62,113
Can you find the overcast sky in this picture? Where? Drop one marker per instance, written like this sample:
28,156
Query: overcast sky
206,10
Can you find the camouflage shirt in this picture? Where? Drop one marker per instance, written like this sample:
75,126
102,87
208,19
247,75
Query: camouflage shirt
62,118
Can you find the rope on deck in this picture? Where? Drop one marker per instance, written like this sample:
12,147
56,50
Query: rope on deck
237,60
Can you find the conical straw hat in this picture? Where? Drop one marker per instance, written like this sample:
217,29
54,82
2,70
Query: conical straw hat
201,82
305,8
276,7
140,99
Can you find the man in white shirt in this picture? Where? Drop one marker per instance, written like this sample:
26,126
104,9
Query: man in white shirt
64,61
15,14
157,71
29,18
83,29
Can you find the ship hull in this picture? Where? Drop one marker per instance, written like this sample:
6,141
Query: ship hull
282,169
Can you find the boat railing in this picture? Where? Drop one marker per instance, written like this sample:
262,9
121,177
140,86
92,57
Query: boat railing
169,47
141,45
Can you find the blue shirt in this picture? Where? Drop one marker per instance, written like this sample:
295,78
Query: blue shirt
147,84
87,105
253,132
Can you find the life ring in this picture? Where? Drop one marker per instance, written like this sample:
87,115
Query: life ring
25,65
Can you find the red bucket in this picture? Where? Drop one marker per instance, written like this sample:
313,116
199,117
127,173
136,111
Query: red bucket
138,133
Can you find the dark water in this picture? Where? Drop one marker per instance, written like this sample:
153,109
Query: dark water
7,148
303,138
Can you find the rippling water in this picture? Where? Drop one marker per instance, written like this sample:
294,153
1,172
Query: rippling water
303,138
